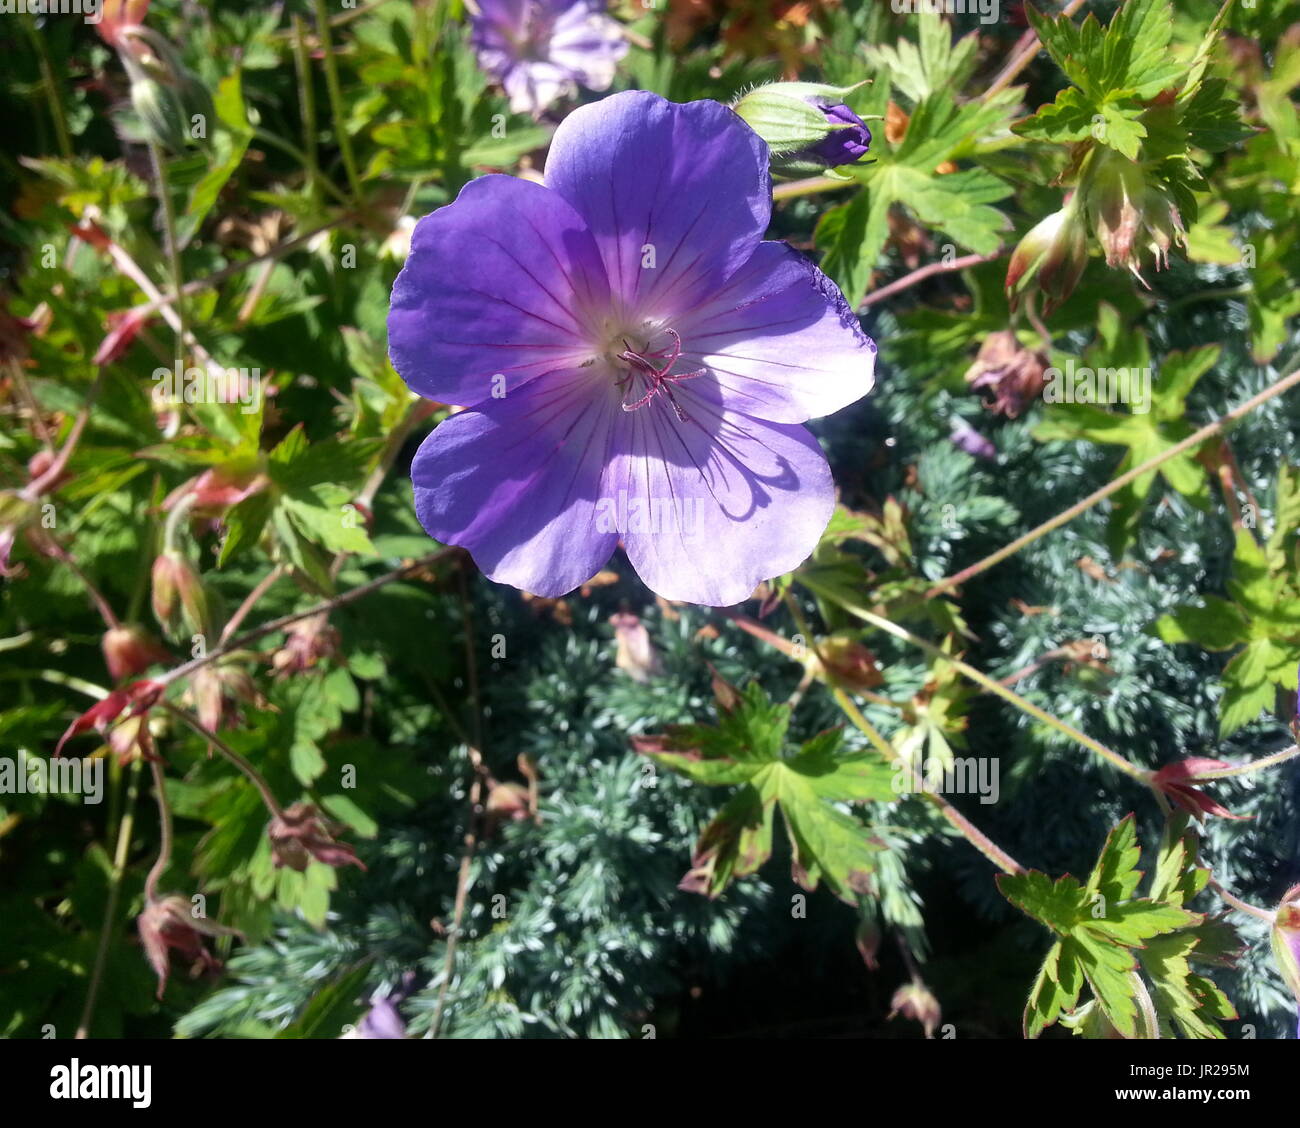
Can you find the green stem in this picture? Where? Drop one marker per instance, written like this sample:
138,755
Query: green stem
173,247
1248,767
814,184
307,102
164,833
979,678
1067,515
976,837
336,99
251,773
124,830
51,90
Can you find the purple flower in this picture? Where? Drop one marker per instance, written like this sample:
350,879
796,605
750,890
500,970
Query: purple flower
635,358
966,438
842,146
540,50
382,1020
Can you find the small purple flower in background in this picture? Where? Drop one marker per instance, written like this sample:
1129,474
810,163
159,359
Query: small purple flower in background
636,361
382,1020
966,438
540,50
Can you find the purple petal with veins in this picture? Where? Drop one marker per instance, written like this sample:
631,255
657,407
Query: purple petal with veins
635,361
541,50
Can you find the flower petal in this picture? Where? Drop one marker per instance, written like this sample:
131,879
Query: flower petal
711,507
588,44
516,481
497,283
780,339
685,187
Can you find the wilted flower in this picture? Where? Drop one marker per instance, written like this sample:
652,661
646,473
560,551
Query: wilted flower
914,1000
170,923
1115,190
119,16
134,700
507,802
216,490
1009,372
123,328
541,50
300,833
965,437
807,126
1131,215
636,655
851,664
308,641
219,688
178,595
130,650
7,536
1050,259
635,358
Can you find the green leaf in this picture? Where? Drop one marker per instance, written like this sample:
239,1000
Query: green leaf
735,844
1247,690
244,524
1217,625
1056,990
334,1008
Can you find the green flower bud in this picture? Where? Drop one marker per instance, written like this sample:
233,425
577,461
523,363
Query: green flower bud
178,595
174,106
160,112
1050,259
807,126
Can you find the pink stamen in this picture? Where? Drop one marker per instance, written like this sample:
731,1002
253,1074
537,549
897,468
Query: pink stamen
658,377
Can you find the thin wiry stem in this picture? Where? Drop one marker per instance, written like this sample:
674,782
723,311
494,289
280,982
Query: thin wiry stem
1067,515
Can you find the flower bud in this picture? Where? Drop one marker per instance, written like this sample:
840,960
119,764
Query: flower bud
851,664
178,595
165,93
1049,260
130,650
397,246
806,125
218,489
160,112
636,653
